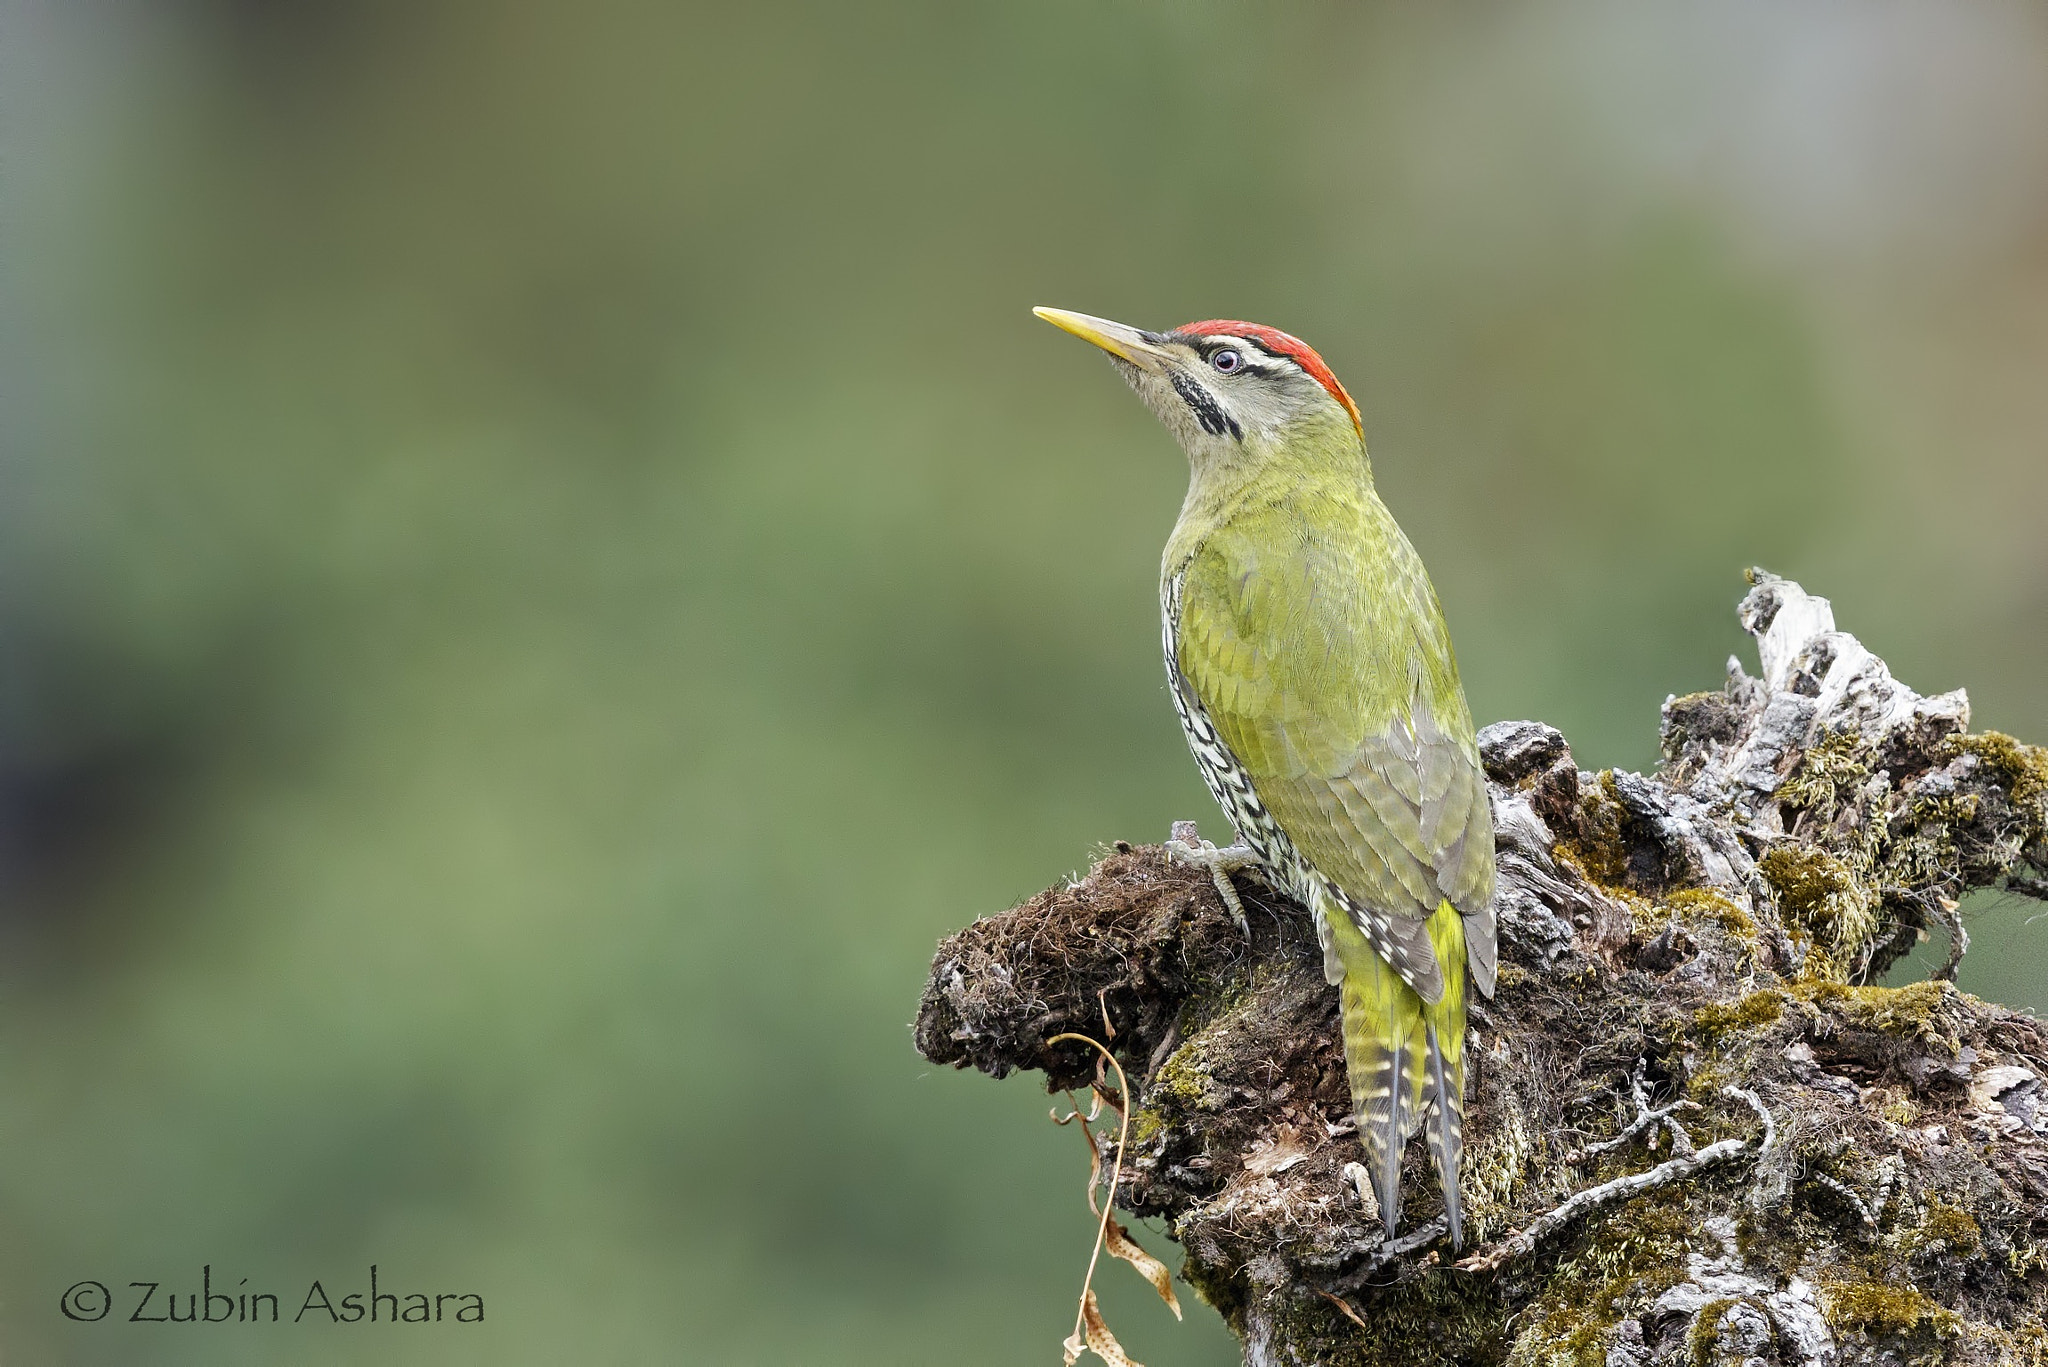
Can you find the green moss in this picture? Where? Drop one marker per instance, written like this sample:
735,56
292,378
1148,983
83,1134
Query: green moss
1916,1011
1213,997
1185,1081
1824,900
2024,767
1718,1020
1218,1289
1882,1308
1705,1079
1182,1083
2024,1257
1603,867
1922,849
1705,905
2026,1346
1444,1316
1811,884
1596,866
1949,1226
1894,1104
1493,1169
1706,1331
1441,1317
1829,773
1599,852
1631,1257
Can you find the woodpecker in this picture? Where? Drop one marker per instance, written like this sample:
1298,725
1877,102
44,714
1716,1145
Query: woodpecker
1311,668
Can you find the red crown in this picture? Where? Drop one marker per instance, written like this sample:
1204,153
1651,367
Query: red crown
1282,344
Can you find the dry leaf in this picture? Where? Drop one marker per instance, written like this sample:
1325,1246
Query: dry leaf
1090,1333
1269,1156
1101,1342
1121,1245
1341,1304
1094,1168
1075,1114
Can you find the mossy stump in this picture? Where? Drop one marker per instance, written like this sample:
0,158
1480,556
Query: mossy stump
1669,943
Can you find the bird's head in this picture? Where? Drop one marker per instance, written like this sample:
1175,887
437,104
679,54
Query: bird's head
1232,393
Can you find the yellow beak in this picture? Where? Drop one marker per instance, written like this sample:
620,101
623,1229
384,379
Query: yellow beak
1120,340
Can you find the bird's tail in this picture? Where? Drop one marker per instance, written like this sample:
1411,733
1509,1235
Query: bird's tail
1406,1061
1445,1024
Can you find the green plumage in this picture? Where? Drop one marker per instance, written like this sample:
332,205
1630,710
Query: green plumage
1314,677
1312,638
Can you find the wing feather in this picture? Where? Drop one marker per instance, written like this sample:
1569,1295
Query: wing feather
1326,669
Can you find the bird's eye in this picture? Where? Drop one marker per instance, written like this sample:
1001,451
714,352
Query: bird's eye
1227,362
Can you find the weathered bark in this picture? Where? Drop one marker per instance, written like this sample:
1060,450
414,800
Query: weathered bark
1682,953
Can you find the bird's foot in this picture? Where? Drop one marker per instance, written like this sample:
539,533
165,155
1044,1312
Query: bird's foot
1186,846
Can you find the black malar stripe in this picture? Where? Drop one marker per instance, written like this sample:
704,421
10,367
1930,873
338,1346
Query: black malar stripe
1203,405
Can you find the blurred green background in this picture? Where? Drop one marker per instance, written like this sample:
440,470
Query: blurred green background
544,561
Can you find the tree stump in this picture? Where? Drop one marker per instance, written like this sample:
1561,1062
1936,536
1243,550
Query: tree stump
1699,1131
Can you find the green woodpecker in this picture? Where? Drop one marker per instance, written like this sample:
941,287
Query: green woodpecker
1312,670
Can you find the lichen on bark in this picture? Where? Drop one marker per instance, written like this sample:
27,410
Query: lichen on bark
1677,949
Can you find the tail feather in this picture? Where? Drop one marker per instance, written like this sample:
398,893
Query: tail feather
1383,1054
1447,1133
1406,1062
1446,1026
1382,1050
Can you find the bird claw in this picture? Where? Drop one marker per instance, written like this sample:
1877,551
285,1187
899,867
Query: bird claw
1184,846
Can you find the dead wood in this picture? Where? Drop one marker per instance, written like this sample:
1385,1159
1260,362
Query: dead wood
1700,1132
